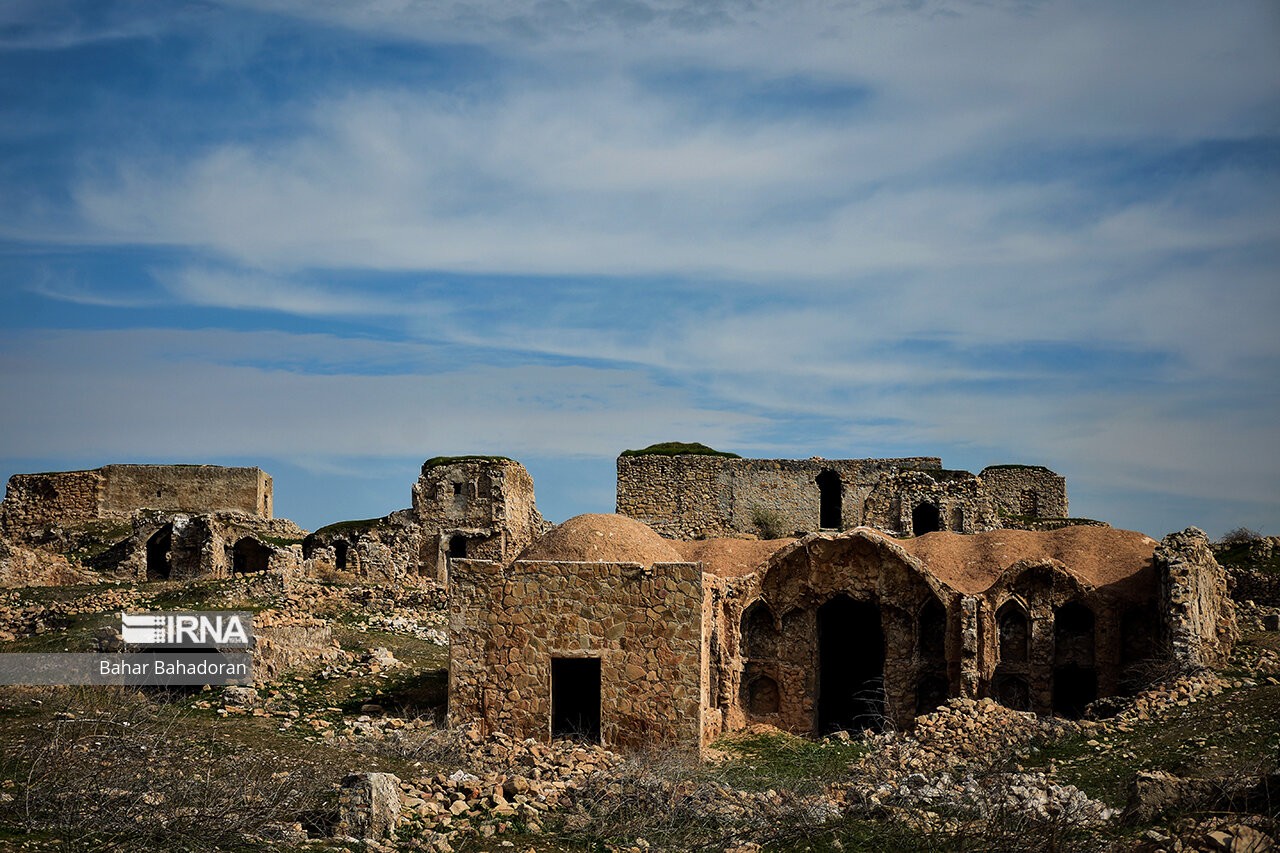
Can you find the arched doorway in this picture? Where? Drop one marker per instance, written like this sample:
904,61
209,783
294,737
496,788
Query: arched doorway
1011,622
340,555
159,547
831,502
850,666
1075,681
931,629
925,518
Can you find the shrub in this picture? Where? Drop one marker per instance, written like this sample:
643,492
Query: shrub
769,522
1239,536
679,448
113,771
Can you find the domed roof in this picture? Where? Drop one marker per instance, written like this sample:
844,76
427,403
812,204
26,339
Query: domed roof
600,538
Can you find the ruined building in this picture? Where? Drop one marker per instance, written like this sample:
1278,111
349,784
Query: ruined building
698,496
142,522
463,507
604,629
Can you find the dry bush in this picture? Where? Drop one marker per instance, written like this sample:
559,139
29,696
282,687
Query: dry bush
112,771
442,747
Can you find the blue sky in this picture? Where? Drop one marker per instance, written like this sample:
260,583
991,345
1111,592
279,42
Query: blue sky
336,237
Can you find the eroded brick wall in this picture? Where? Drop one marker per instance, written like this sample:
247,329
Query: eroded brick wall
644,626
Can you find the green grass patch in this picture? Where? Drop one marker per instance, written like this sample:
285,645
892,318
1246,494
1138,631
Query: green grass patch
356,526
453,460
766,761
285,542
1240,556
679,448
1236,732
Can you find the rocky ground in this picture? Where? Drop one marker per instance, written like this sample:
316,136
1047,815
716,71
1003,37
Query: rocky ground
1187,765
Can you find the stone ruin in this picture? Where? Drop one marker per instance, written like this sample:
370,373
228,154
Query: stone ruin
463,507
605,630
691,496
143,522
602,628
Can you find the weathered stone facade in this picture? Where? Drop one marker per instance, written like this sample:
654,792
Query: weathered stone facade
608,651
384,550
474,508
118,491
469,507
827,632
700,496
1026,491
145,522
1195,599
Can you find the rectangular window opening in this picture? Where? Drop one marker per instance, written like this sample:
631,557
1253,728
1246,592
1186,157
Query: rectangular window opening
575,698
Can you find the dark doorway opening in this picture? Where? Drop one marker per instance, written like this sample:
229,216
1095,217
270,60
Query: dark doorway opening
159,547
957,519
1074,687
931,693
831,505
457,548
1073,635
250,555
850,666
340,555
1012,623
925,519
1013,692
932,631
575,698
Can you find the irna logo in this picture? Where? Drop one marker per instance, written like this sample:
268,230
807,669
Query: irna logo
220,630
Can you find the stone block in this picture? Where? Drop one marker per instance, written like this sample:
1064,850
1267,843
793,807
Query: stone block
369,805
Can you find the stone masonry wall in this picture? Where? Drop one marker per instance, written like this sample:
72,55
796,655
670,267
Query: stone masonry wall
1199,615
118,491
1009,488
488,504
694,496
962,504
184,488
34,499
1258,587
644,625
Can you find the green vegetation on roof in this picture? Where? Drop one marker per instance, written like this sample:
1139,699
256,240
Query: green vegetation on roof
679,448
349,526
450,460
1015,465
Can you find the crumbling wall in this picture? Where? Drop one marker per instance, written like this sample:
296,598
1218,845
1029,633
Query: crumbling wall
956,500
1030,491
780,624
34,499
473,508
20,567
643,625
1199,616
386,550
698,496
118,491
